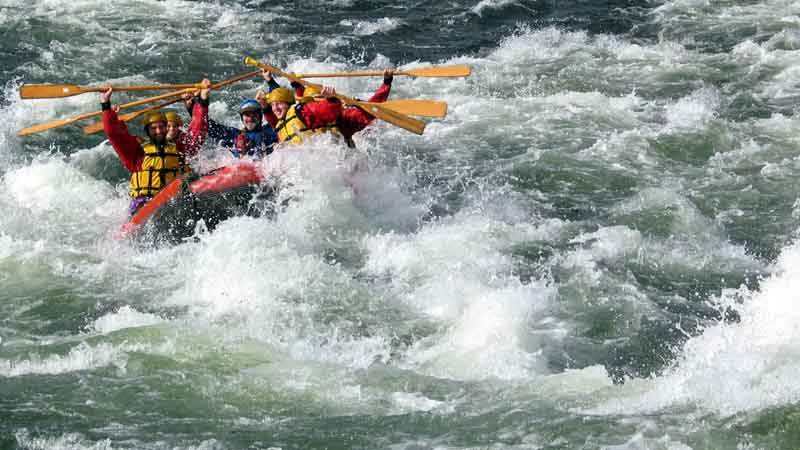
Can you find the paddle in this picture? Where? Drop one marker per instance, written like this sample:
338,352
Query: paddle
410,107
69,120
386,114
61,122
96,127
443,71
415,107
28,91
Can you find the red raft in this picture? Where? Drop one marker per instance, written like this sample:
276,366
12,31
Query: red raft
223,179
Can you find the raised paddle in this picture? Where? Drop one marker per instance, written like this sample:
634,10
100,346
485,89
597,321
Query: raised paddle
61,122
28,91
69,120
386,114
442,71
96,127
411,107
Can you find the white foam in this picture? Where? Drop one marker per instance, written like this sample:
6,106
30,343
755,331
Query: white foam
80,357
369,27
695,111
454,273
739,367
68,441
125,317
53,200
406,402
491,4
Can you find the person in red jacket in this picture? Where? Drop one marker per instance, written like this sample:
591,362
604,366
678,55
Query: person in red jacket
155,161
176,132
295,121
353,119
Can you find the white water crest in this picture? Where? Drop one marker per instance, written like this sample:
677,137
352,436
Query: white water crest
732,368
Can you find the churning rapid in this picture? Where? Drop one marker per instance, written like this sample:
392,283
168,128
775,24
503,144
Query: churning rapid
595,249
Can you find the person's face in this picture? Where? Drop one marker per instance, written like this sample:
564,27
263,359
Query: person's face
251,119
279,109
172,130
157,132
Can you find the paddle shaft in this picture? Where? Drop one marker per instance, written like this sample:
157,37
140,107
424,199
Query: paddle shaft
96,127
32,91
444,72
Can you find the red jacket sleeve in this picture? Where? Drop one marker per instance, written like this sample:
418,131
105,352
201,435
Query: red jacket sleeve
126,145
318,114
382,94
190,142
354,119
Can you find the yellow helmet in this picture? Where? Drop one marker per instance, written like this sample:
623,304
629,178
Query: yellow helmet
173,117
282,94
153,117
308,94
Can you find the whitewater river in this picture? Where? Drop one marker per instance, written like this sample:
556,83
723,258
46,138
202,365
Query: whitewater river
595,249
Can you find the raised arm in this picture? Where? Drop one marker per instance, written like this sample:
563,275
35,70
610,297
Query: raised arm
125,145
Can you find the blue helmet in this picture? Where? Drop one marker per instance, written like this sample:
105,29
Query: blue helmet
248,105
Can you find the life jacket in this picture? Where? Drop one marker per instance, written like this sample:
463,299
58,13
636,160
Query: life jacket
292,128
160,165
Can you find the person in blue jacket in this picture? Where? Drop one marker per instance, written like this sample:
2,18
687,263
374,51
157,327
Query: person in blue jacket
255,139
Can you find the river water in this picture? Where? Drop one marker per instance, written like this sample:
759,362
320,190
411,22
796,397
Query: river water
595,249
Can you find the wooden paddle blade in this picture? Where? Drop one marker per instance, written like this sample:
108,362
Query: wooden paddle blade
28,91
443,71
414,107
388,115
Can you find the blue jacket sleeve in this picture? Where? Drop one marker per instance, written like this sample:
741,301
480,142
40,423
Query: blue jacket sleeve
222,134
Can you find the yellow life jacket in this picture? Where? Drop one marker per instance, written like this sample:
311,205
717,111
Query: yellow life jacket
161,164
292,128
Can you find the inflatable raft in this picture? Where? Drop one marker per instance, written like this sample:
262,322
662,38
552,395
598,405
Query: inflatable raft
213,197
